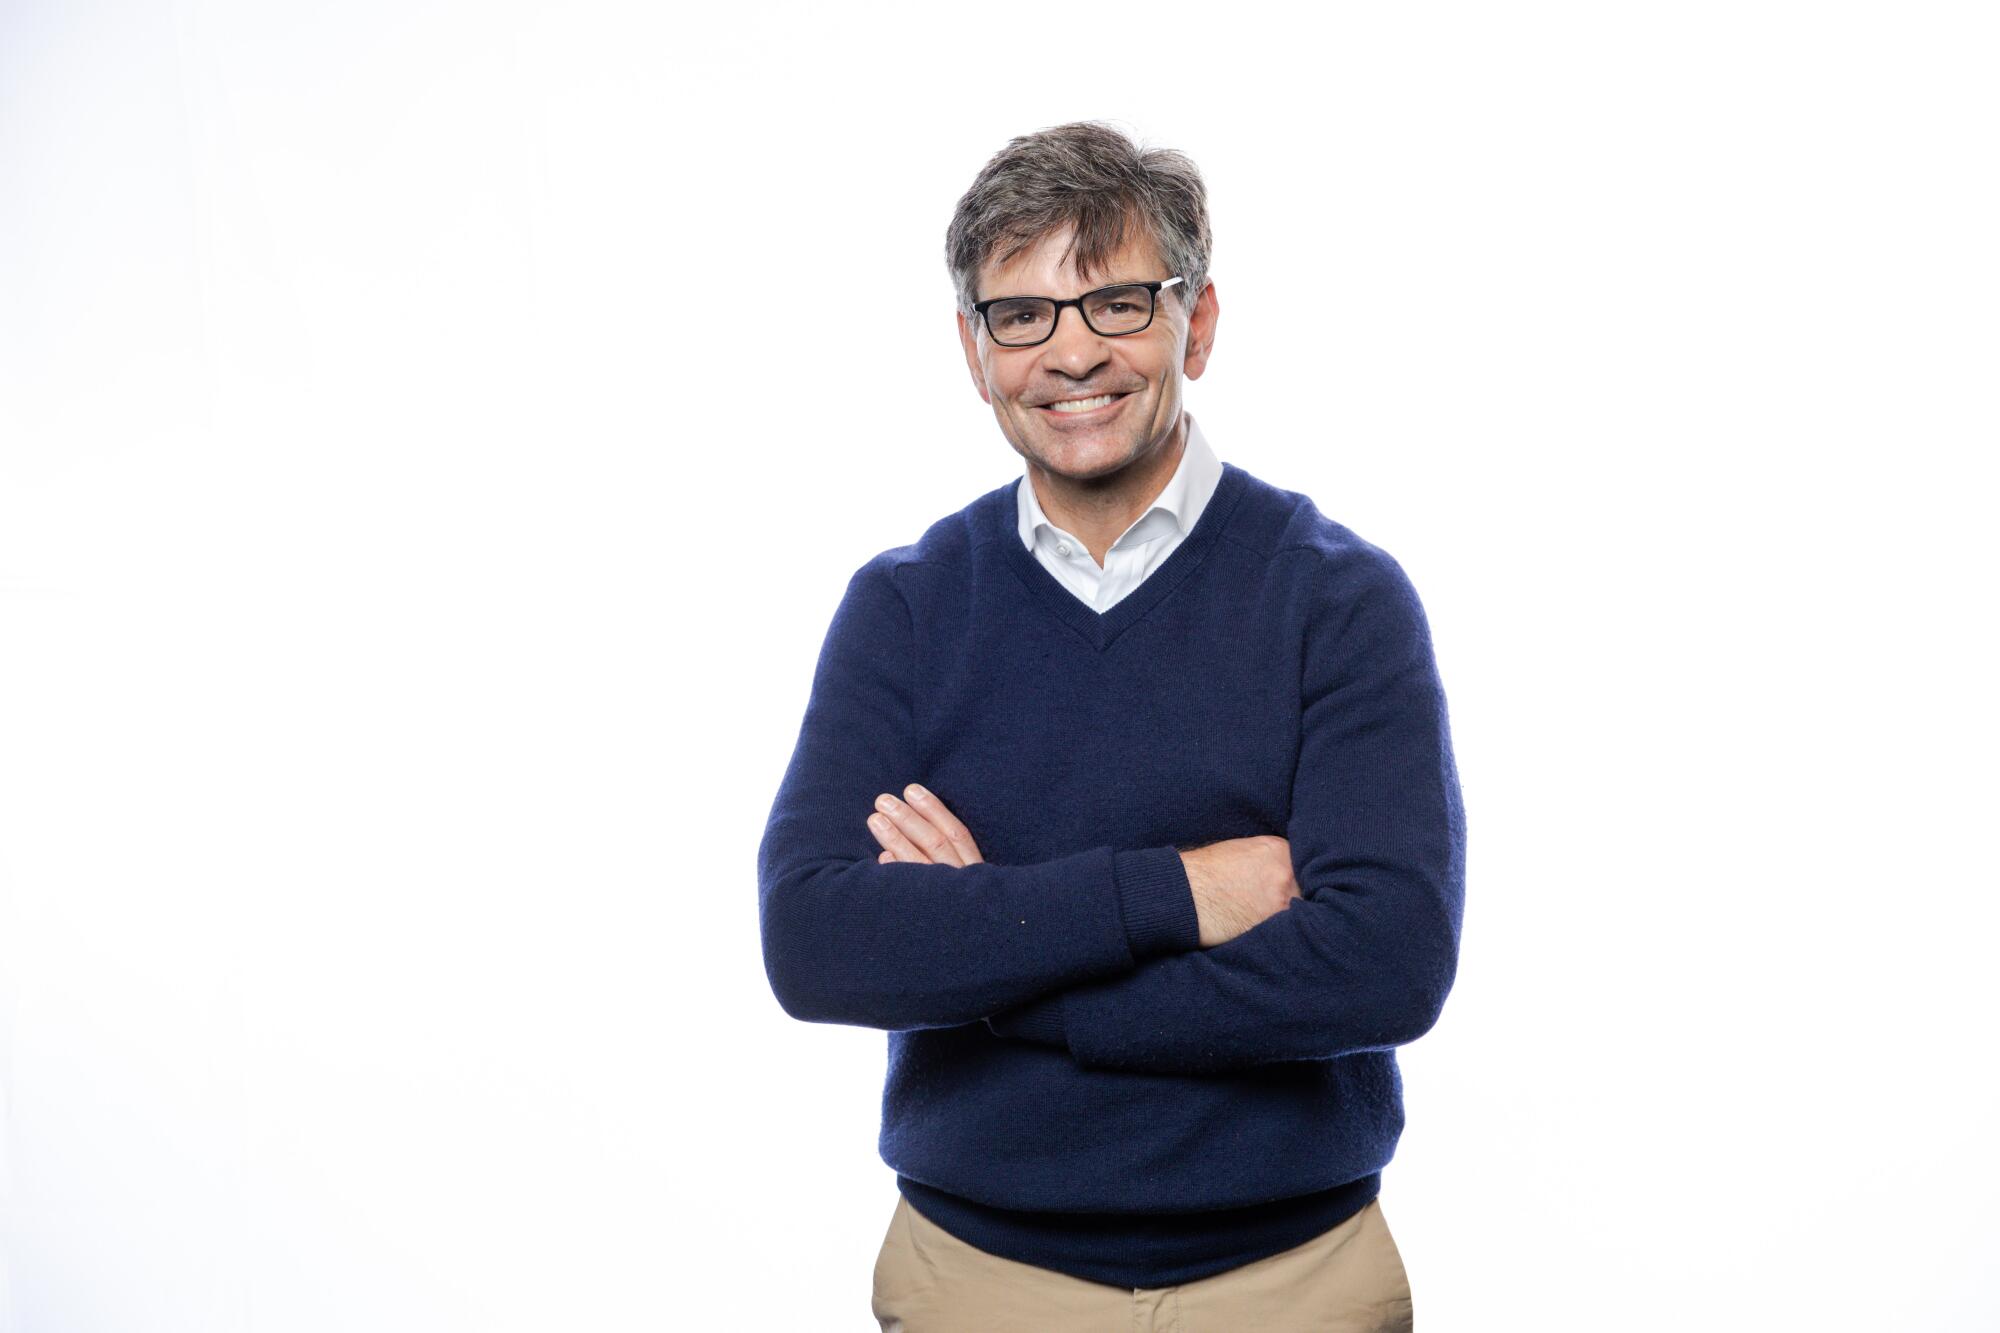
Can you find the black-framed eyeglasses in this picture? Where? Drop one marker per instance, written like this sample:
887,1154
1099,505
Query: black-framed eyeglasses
1110,312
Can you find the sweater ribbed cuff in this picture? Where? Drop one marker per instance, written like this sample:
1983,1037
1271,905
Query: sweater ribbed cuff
1156,901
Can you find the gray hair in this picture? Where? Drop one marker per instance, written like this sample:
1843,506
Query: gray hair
1090,178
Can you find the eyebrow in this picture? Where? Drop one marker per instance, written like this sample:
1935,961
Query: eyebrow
1119,282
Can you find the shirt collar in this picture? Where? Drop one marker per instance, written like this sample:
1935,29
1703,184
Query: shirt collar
1180,502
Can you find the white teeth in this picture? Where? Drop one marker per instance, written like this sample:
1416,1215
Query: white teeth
1082,404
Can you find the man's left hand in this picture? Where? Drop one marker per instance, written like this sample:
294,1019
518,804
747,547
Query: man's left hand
921,830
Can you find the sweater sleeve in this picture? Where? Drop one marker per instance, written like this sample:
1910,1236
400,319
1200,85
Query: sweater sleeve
850,939
1363,959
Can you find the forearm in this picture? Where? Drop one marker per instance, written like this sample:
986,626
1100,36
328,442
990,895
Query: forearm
897,946
1329,976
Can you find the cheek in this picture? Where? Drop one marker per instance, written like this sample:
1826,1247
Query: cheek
1008,388
1155,366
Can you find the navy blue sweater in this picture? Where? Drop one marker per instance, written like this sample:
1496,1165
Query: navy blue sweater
1072,1080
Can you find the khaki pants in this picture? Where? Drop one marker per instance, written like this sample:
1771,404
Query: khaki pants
1347,1280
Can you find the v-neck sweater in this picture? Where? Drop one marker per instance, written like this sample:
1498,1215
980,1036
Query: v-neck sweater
1072,1081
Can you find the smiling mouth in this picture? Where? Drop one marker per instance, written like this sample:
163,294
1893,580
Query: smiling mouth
1071,406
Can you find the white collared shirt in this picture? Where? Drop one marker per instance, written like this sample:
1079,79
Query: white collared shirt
1141,548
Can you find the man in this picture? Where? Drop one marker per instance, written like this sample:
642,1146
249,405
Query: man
1124,802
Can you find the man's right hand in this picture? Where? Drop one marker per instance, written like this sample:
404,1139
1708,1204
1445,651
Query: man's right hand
1238,883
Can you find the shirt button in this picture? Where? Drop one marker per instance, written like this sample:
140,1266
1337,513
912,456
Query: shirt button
1062,548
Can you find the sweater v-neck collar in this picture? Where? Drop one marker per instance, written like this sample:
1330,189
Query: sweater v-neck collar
1101,630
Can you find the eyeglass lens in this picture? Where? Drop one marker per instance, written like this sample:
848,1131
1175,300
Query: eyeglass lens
1028,319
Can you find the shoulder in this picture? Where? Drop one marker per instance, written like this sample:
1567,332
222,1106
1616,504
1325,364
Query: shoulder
1325,558
942,553
1358,608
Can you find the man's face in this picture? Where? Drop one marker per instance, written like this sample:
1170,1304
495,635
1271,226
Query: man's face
1142,370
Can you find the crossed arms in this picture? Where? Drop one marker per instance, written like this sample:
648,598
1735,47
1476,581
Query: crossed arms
1106,952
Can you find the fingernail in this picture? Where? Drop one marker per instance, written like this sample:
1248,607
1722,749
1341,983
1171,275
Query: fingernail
916,793
885,803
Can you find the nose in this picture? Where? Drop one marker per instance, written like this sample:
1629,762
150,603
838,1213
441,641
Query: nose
1074,348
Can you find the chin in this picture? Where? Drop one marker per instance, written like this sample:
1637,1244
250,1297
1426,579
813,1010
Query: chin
1082,460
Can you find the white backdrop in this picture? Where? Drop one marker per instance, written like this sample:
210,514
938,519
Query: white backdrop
422,500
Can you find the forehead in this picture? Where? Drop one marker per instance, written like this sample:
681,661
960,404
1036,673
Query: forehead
1044,269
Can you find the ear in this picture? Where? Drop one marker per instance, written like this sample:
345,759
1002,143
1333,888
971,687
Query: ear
1201,332
970,341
